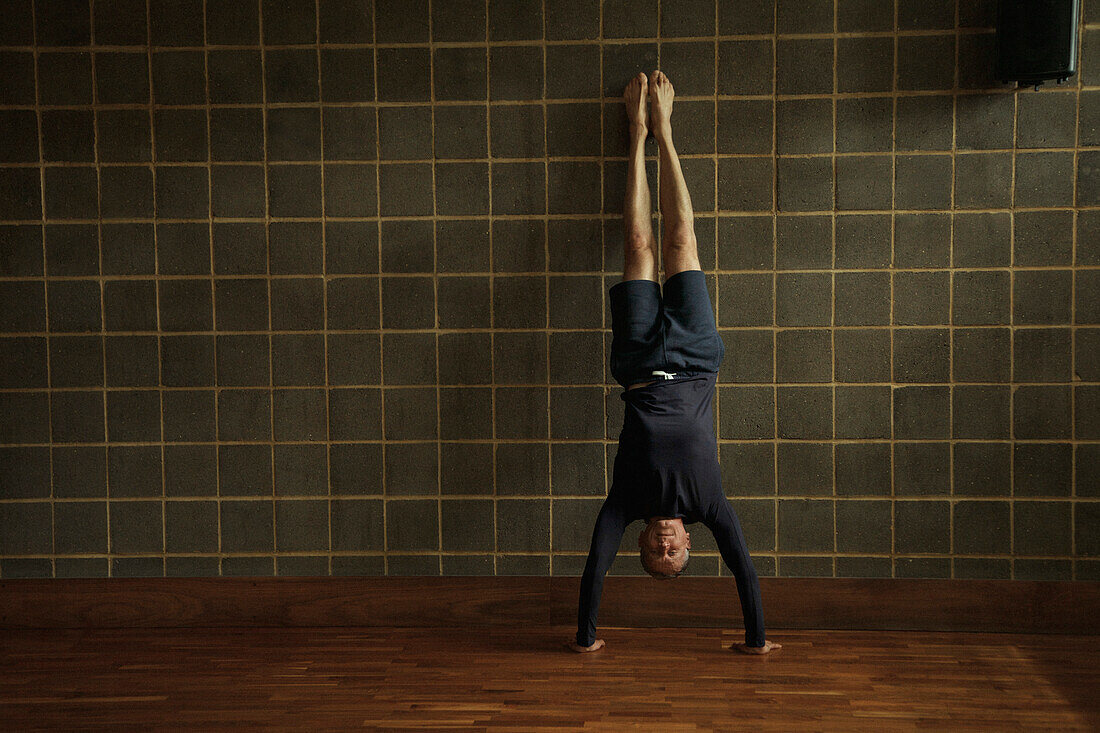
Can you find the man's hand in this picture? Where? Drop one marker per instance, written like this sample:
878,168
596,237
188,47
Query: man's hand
768,646
572,644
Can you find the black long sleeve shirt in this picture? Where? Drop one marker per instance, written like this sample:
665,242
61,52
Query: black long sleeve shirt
667,466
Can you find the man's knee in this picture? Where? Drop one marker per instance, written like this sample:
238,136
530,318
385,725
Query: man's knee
639,243
680,239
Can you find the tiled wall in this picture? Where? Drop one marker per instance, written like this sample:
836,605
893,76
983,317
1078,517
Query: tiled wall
320,287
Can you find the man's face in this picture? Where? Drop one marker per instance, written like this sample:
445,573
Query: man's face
663,542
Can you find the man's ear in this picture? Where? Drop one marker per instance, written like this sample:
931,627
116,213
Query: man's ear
689,540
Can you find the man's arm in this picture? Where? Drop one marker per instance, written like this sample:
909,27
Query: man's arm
606,537
722,522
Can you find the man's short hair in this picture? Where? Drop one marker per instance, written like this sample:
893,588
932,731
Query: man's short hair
665,576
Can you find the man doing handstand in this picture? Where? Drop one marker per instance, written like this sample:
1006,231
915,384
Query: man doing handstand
665,352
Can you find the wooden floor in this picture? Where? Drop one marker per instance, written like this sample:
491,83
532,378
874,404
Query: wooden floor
524,679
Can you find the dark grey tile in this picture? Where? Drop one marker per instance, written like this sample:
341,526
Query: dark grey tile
815,16
926,15
1046,237
805,525
1087,290
522,469
77,527
1087,354
981,298
408,302
863,240
921,355
746,413
863,412
865,64
1042,355
1088,182
745,299
803,242
412,524
746,184
745,126
804,66
519,302
242,360
75,361
746,242
1041,412
294,133
401,22
519,358
231,23
921,298
518,188
65,77
982,469
458,21
1088,119
291,75
176,24
921,412
462,189
515,72
573,187
356,414
1042,528
922,182
624,19
403,74
121,78
235,76
119,22
621,62
748,356
862,298
864,15
863,526
69,135
804,184
982,527
297,359
801,355
805,412
804,468
464,302
297,304
802,125
348,133
926,62
745,66
179,77
980,412
690,66
864,182
925,122
982,180
922,526
293,190
1042,469
1086,405
240,304
862,355
922,240
71,249
574,413
292,22
460,73
981,354
803,299
187,361
409,358
405,132
406,189
984,121
1046,119
17,87
1044,179
864,124
516,131
238,190
982,240
1042,296
181,192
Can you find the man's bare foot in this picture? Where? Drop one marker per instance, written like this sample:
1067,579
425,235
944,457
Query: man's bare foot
768,646
572,644
635,97
660,105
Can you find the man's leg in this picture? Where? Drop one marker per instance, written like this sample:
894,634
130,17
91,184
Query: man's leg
639,246
678,245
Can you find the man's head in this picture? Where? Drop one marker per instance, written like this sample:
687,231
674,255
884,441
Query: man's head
663,546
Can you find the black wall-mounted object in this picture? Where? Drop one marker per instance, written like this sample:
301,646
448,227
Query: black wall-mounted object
1036,40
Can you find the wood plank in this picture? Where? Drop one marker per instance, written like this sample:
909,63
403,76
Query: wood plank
522,678
1016,606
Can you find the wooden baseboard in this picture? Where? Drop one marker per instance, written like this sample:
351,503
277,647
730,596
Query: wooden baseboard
1015,606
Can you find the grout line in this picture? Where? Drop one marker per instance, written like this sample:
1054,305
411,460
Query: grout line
267,253
324,289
